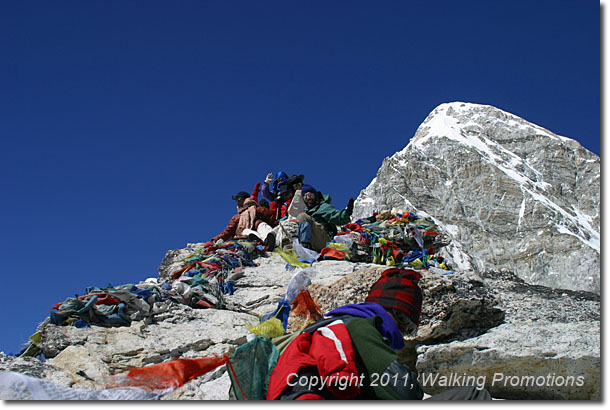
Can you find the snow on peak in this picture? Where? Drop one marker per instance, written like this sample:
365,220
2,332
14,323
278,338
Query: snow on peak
466,124
467,131
462,114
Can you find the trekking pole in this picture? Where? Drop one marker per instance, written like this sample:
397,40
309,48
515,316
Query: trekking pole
285,233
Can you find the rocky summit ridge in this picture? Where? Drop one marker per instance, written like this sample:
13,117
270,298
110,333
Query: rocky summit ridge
494,320
509,193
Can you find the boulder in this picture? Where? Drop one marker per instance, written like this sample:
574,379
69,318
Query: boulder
529,361
551,334
181,332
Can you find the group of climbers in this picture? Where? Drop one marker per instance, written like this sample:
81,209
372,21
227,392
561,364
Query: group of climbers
288,197
354,346
350,352
346,353
251,219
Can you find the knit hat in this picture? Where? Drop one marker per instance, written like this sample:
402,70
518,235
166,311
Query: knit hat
398,289
307,188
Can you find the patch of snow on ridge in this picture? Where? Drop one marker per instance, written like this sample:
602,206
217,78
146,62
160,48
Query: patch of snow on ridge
512,120
451,229
585,222
442,125
587,234
458,259
521,213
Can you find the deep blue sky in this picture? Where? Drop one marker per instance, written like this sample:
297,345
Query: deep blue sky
126,126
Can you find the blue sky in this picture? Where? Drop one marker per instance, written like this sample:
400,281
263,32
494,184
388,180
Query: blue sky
127,126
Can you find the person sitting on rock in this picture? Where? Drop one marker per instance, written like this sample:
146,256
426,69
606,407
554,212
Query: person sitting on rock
250,219
318,224
279,207
289,201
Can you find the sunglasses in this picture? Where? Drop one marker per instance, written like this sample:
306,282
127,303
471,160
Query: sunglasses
309,195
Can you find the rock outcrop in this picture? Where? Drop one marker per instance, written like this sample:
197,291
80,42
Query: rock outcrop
509,193
547,347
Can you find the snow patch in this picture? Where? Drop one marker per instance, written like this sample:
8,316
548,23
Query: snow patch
452,230
458,259
586,233
521,213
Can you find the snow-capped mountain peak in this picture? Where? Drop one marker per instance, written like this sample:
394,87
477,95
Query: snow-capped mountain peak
514,194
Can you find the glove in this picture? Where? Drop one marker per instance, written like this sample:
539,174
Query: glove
257,189
269,178
350,206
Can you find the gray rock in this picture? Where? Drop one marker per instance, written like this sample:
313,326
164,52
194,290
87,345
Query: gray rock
546,332
33,367
118,349
455,306
536,360
172,261
214,385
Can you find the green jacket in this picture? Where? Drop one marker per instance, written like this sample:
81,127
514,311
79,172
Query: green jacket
329,216
386,378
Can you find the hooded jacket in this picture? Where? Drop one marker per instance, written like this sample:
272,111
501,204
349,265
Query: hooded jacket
329,216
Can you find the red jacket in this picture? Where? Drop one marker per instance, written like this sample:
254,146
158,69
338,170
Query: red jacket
279,211
322,357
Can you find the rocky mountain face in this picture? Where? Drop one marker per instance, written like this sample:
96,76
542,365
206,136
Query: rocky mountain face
509,193
490,322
